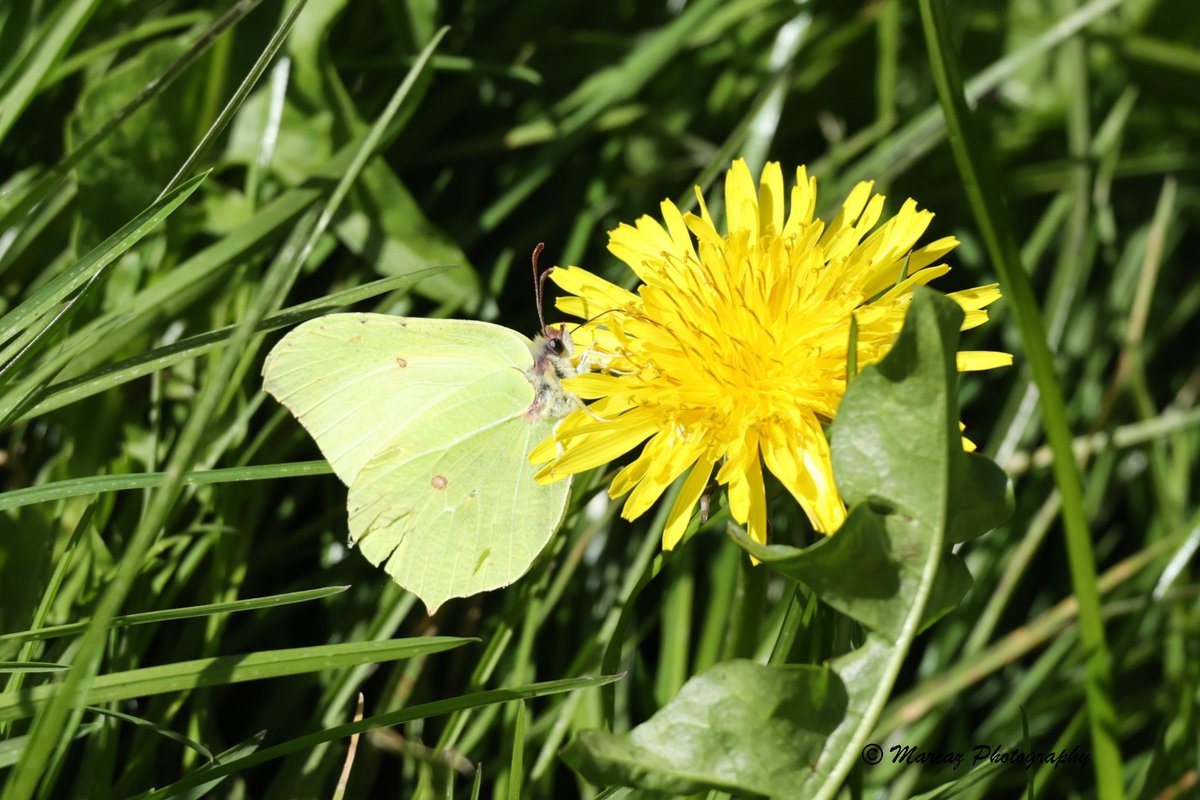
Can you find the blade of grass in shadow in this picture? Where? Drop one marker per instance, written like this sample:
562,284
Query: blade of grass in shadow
925,132
985,194
99,380
89,266
944,687
225,670
59,717
189,612
166,733
239,96
436,708
46,55
46,183
147,30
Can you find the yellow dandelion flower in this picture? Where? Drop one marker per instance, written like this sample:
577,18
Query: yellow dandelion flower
732,354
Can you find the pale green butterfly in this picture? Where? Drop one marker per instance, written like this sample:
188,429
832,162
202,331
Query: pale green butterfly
430,423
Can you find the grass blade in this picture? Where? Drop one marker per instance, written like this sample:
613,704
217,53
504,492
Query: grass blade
437,708
189,612
225,670
159,358
90,265
77,487
65,28
239,96
984,192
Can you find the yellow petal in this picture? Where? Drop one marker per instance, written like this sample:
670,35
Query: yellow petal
974,360
741,200
599,446
771,199
689,495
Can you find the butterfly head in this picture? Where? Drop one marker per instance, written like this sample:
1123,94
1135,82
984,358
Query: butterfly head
554,352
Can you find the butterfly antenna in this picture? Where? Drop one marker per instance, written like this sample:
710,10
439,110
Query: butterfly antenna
590,320
539,283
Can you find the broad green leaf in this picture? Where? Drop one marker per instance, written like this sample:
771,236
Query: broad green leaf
739,727
862,571
224,670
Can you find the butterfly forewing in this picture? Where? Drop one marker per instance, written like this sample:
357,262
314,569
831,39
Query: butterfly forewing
357,381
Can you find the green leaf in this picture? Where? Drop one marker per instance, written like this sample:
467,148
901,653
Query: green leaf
224,670
863,571
739,726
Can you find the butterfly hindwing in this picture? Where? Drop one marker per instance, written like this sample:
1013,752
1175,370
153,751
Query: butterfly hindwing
425,420
471,518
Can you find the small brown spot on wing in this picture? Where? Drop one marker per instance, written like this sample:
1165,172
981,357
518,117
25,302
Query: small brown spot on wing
439,482
401,362
355,340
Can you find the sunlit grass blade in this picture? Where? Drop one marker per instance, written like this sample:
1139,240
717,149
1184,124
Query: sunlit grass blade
62,712
239,96
108,251
77,487
436,708
985,194
225,670
104,378
46,183
67,24
31,666
189,612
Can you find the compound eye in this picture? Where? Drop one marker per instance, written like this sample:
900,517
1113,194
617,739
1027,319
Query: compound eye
556,346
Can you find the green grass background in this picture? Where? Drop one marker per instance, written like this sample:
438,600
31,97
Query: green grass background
553,122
